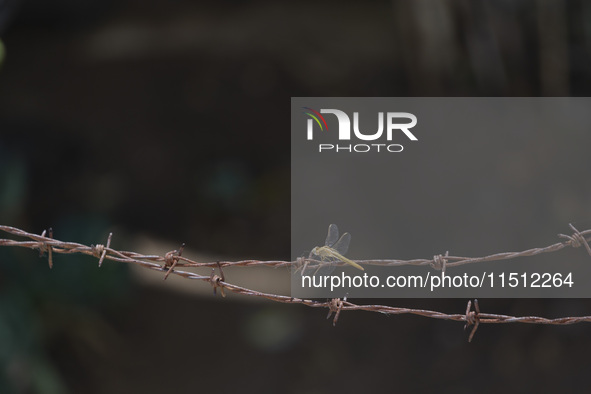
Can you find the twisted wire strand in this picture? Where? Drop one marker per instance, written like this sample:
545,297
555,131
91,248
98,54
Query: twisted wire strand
173,259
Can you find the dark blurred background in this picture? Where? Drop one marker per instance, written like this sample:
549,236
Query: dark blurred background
171,119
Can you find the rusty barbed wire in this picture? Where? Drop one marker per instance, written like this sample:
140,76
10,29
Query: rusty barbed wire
174,259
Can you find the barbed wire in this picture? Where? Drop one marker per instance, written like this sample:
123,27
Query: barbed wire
45,243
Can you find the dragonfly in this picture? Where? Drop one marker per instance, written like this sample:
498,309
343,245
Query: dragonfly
332,252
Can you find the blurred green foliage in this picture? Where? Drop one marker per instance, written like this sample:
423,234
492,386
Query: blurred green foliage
44,309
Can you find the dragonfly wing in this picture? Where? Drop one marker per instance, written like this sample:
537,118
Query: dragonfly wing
342,245
333,235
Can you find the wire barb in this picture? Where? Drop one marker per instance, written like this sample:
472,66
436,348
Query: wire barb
335,306
577,239
472,318
100,251
440,262
171,260
217,280
44,247
300,264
